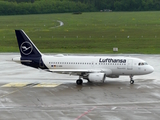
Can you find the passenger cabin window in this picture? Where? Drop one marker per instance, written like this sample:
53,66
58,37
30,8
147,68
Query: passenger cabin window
143,63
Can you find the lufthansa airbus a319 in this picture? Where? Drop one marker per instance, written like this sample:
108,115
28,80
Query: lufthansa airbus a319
91,68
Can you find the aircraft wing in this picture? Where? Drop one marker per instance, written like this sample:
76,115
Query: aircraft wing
78,71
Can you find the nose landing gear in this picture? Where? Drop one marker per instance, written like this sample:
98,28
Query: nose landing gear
131,79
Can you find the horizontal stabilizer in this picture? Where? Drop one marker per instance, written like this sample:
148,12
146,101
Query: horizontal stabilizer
17,59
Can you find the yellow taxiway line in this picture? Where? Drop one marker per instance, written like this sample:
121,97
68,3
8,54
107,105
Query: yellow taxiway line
46,85
15,85
28,84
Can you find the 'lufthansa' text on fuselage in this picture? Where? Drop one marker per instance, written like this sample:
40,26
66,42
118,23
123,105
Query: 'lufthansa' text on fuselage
109,60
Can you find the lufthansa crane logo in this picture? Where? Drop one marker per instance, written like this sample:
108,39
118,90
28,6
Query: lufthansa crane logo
26,48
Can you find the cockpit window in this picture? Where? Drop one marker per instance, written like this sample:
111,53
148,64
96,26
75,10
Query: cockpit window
143,63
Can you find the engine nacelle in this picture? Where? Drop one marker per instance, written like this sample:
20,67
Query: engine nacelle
96,77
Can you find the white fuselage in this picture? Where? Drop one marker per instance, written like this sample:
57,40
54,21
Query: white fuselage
105,64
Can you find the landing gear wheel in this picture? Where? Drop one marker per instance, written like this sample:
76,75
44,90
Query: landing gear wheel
132,81
79,82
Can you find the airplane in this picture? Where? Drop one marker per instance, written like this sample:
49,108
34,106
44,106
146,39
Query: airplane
91,68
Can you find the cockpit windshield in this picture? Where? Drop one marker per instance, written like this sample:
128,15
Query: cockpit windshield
143,63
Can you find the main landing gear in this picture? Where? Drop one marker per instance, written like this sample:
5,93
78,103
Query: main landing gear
131,79
79,81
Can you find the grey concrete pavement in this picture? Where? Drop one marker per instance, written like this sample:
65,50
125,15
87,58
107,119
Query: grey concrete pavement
30,94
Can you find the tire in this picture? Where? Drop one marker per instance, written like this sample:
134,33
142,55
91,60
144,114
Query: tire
79,82
132,81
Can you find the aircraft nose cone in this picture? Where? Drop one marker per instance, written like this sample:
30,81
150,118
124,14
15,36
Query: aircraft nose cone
151,69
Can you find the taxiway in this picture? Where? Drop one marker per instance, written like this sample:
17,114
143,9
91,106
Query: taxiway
30,94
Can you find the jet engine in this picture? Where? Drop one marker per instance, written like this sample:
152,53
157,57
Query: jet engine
96,77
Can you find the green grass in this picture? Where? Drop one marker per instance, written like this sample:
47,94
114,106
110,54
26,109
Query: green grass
97,32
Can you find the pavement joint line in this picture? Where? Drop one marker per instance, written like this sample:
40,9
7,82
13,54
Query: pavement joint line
31,84
121,103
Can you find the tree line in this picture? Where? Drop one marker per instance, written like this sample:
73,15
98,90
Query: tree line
124,5
42,7
11,7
